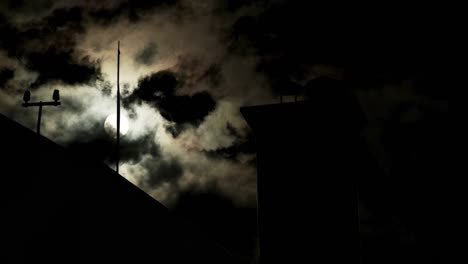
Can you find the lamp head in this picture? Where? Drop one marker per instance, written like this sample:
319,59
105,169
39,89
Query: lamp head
56,95
27,96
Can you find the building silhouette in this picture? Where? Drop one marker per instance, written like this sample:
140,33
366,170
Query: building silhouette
57,207
307,156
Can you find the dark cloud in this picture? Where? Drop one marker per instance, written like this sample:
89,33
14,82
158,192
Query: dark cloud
187,109
147,55
27,7
161,171
106,87
59,30
176,129
133,10
132,150
233,5
213,75
47,46
5,75
65,19
188,64
289,37
159,89
61,66
243,144
193,72
155,87
10,35
107,16
243,34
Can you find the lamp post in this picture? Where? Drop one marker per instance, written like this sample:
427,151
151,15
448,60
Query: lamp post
27,98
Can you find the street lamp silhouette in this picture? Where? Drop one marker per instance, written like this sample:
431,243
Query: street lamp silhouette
27,98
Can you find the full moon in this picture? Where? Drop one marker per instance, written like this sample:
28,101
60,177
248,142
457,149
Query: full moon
110,125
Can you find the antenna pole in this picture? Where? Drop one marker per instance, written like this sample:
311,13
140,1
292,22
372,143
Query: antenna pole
118,108
39,118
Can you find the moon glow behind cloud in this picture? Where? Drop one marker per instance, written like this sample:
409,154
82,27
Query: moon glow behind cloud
110,125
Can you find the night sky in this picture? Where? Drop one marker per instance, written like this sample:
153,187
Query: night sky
188,66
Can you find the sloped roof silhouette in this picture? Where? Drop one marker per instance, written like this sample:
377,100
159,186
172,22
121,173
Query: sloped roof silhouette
58,207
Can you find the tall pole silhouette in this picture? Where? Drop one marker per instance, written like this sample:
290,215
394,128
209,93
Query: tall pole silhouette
118,108
38,129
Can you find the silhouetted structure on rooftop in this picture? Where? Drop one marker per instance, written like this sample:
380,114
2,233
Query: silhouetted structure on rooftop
60,208
306,160
40,104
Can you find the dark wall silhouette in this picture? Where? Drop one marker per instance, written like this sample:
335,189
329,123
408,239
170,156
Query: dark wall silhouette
307,200
57,207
